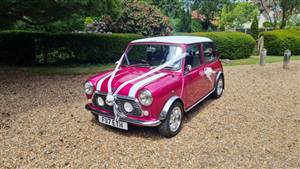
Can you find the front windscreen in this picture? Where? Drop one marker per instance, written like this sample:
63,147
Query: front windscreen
153,55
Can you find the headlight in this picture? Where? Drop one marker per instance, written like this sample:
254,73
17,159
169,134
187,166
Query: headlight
128,107
100,101
88,88
145,97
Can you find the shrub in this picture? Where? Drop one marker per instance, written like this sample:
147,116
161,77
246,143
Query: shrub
277,41
254,28
27,48
231,45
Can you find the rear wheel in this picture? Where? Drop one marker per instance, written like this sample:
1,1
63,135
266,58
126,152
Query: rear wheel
219,88
173,122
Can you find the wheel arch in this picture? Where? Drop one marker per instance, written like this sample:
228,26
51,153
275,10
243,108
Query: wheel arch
220,74
168,104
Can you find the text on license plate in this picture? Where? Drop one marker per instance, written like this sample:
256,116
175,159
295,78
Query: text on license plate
113,122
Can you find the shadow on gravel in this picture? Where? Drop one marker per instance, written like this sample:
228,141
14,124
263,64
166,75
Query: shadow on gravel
188,116
151,133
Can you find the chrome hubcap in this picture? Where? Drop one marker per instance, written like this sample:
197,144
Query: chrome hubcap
220,87
175,119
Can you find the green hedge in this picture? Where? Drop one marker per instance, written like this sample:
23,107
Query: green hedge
277,41
231,45
27,48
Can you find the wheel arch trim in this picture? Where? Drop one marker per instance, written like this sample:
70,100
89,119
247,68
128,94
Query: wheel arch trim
219,74
168,104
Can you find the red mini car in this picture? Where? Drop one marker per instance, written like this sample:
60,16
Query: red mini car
155,82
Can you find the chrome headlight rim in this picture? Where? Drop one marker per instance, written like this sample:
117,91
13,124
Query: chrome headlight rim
100,101
145,97
88,88
128,107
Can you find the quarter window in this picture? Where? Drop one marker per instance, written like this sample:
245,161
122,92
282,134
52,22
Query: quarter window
193,56
208,52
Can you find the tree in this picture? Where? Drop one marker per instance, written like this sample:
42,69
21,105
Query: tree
235,15
276,9
289,7
185,24
142,18
42,12
171,8
210,9
254,28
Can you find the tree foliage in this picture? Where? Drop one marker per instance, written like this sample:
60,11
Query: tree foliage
142,18
235,15
210,9
171,8
42,12
185,24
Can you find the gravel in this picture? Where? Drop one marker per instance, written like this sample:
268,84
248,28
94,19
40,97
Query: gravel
255,124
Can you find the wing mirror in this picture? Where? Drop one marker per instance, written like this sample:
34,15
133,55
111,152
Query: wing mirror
187,69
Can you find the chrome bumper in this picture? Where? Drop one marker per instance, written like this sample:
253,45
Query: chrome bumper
125,119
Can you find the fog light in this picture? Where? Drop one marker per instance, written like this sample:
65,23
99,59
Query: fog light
100,101
128,107
145,113
89,100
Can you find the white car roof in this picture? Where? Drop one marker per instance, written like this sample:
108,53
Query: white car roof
174,39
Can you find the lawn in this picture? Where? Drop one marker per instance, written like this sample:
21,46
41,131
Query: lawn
92,69
255,60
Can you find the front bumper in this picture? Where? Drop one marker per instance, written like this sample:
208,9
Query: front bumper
151,123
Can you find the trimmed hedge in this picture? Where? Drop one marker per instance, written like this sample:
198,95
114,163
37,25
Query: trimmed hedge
231,45
277,41
27,48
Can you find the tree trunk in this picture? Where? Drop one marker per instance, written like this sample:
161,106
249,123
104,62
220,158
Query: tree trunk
283,19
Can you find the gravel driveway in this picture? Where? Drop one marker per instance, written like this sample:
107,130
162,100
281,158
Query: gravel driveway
256,124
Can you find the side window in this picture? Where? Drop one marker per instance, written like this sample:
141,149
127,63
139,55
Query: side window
208,52
193,56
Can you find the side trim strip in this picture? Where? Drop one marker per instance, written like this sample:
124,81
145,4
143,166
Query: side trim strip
144,82
99,84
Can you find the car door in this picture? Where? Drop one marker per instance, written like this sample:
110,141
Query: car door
211,65
193,78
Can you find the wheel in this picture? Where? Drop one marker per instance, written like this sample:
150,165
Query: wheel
172,124
219,88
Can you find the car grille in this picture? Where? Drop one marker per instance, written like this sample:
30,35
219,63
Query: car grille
120,102
103,96
136,107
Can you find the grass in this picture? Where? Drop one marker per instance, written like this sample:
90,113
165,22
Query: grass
93,69
255,60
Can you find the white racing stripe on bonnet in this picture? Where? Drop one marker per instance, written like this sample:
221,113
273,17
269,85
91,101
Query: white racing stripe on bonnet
144,82
99,84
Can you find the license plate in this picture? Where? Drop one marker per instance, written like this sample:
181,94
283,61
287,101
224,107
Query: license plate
113,122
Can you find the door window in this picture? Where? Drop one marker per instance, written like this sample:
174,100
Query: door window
193,56
208,52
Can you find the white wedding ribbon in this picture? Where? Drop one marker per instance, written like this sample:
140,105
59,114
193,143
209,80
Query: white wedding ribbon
170,62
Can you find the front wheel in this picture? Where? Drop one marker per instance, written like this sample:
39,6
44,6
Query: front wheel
172,124
219,87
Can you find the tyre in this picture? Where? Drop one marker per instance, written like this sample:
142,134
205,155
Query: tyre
173,122
219,88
